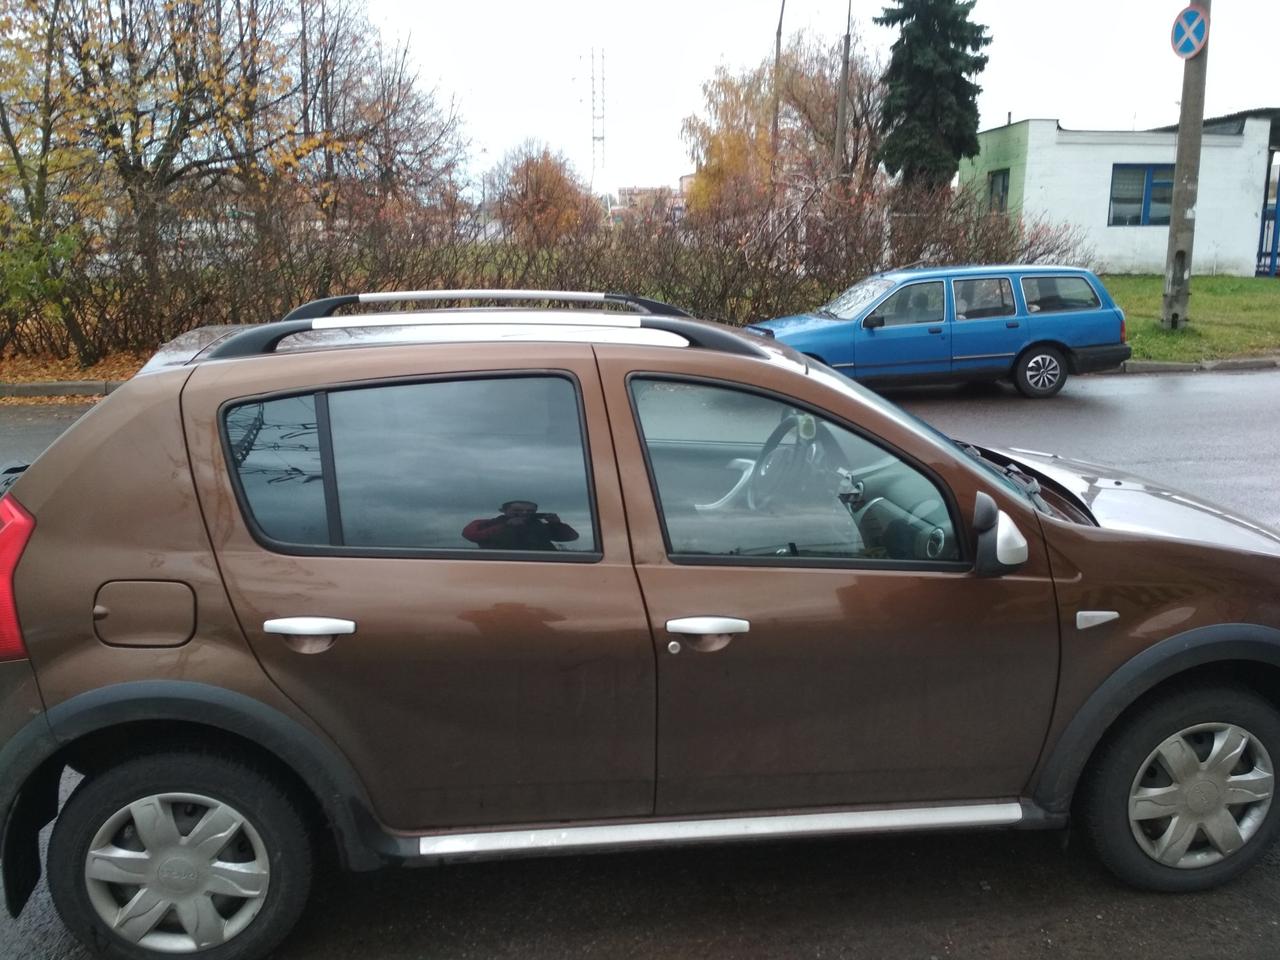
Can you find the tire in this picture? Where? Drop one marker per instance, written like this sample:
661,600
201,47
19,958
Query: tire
1136,764
247,882
1040,372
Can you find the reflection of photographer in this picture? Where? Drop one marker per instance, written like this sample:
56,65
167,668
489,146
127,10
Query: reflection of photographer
520,527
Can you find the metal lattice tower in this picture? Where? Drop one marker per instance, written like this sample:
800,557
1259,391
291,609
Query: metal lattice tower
597,118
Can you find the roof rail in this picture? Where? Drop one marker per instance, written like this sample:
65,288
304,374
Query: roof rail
325,307
318,315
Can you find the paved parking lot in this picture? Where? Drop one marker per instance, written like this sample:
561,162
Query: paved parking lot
998,895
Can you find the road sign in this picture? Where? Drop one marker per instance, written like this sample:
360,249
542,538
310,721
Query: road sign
1190,31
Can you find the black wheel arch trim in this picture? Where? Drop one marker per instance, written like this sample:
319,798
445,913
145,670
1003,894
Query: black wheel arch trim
29,785
1054,788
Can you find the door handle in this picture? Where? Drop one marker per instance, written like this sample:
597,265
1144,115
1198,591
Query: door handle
309,626
706,634
935,329
706,626
1011,324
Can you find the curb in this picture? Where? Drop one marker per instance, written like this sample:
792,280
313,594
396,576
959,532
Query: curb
1204,366
60,388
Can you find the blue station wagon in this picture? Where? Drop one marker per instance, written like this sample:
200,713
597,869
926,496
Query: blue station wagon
1034,325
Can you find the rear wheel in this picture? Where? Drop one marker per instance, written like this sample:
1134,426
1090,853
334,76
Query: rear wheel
1181,798
1040,372
180,853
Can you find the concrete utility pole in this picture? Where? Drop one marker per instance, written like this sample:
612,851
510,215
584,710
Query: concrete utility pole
842,94
1186,183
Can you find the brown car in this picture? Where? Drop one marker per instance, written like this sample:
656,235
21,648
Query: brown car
469,583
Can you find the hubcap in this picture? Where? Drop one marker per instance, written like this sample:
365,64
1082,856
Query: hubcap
177,872
1043,371
1201,795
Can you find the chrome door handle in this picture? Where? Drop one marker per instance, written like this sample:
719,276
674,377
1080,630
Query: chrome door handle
704,626
309,626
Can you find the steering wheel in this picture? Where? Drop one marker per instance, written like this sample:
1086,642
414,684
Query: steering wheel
780,469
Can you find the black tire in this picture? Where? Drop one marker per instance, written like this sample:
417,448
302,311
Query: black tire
256,796
1040,372
1113,773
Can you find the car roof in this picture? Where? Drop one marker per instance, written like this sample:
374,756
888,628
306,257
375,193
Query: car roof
968,270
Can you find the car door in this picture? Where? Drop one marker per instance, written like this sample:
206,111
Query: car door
1067,309
905,335
461,515
875,667
989,330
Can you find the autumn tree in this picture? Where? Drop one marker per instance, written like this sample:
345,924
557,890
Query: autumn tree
931,105
539,199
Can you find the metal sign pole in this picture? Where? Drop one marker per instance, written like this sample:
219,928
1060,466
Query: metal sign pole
1191,42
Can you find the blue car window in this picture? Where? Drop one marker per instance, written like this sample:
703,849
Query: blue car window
1058,294
916,303
987,297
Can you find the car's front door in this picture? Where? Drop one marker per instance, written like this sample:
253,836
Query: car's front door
453,514
989,332
905,335
875,667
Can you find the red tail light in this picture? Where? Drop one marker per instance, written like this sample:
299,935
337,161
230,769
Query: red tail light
15,530
1124,331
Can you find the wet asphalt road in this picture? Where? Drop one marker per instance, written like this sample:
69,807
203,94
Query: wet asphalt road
1000,895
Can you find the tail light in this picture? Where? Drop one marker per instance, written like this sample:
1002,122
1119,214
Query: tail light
1124,333
15,530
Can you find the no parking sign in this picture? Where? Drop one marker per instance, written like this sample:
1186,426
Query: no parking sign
1190,31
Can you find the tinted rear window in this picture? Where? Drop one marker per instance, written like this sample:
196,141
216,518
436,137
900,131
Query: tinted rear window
1056,294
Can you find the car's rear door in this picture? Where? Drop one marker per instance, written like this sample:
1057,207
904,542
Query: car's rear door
1067,309
497,673
989,329
914,339
875,666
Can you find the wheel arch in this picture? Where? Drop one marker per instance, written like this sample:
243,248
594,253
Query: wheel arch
86,731
1245,653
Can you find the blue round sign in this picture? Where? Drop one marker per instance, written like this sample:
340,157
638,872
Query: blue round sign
1190,31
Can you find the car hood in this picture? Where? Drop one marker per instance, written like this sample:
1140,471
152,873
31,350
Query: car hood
1123,501
796,324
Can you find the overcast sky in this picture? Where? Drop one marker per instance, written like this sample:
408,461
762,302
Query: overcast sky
523,69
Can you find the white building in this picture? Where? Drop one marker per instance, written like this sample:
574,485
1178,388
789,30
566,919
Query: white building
1117,187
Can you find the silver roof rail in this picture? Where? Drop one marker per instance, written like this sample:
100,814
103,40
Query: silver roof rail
318,315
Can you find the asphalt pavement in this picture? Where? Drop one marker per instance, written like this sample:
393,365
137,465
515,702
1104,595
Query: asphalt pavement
1001,895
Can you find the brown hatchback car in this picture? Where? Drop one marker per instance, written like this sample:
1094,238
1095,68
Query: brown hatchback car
465,583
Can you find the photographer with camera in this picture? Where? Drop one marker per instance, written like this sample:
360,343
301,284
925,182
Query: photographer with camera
519,527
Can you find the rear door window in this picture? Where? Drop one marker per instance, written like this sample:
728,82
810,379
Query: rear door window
1058,294
476,466
983,298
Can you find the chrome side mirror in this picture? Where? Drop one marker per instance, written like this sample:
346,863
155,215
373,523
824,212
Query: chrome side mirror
1001,546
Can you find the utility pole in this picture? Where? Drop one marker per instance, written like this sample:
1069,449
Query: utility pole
777,85
1186,173
842,94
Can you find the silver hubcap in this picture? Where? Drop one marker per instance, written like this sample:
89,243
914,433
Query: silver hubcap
1043,371
1201,795
177,872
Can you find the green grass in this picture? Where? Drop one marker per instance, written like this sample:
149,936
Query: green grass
1230,317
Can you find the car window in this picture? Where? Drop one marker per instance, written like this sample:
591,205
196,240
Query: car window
1056,294
486,464
738,474
274,447
986,297
916,303
848,304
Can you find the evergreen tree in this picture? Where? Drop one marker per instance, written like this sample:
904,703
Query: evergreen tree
931,108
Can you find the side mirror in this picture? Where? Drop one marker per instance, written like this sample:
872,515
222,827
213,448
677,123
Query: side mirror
1001,546
873,322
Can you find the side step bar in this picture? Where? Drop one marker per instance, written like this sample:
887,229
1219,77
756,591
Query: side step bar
550,840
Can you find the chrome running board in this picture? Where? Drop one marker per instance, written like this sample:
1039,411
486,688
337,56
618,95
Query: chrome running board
499,843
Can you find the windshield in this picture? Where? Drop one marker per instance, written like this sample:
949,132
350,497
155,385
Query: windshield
850,303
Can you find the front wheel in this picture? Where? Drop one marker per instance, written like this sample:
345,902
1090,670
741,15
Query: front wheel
1180,798
1040,372
180,853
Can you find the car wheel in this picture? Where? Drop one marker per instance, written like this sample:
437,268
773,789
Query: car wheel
1180,798
1040,372
180,853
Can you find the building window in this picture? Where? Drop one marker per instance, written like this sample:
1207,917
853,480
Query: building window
998,191
1141,194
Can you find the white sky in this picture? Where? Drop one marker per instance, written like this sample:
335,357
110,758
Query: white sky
523,69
